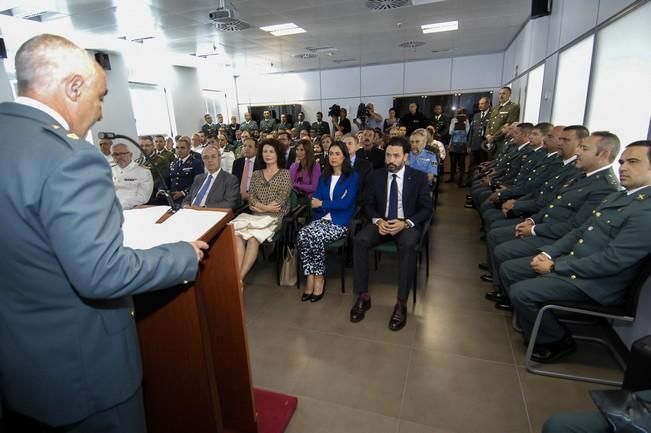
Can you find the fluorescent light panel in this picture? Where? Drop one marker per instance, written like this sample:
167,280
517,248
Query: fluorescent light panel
283,29
440,27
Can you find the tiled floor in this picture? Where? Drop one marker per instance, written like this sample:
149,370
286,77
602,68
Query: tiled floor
455,368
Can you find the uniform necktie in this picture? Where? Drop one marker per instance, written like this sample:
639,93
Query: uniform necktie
393,199
483,114
202,192
244,183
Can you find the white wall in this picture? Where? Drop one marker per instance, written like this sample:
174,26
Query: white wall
6,94
378,84
187,100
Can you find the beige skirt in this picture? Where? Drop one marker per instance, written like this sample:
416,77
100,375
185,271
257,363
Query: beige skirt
261,227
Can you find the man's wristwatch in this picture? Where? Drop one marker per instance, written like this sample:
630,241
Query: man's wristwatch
409,224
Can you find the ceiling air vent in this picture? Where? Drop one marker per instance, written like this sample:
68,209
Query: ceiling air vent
383,5
305,56
344,60
231,25
412,44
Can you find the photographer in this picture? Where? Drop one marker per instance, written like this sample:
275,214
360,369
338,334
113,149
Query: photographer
367,117
339,120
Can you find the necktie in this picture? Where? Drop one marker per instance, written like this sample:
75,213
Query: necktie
202,192
483,114
244,183
393,199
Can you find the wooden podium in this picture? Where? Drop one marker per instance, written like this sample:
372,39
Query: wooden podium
197,376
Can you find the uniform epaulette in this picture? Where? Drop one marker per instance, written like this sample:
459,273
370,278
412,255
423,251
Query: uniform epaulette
63,134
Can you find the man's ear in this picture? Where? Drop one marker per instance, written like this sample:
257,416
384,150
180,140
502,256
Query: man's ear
73,86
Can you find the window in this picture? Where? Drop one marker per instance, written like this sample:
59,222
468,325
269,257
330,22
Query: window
573,76
620,87
215,102
150,107
534,94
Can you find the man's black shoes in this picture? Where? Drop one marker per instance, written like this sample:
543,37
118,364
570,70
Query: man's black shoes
359,309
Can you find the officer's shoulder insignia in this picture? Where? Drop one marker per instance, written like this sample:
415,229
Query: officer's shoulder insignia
55,126
73,136
641,196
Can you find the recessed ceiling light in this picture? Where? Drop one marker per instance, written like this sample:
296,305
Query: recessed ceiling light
283,29
305,56
440,27
412,44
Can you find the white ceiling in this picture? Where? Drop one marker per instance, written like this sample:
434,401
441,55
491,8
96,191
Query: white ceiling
367,37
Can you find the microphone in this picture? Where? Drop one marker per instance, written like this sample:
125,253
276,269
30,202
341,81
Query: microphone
166,192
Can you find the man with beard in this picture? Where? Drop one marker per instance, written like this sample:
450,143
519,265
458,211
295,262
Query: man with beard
398,203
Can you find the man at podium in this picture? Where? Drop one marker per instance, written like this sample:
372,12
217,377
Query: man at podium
69,356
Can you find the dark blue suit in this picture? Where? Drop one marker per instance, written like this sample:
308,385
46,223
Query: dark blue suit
417,207
68,342
182,173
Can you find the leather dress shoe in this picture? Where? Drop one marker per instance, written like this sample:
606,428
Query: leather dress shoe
398,317
316,298
495,296
504,305
468,206
552,352
360,307
483,266
487,278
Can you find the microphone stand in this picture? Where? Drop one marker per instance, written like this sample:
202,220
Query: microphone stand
166,192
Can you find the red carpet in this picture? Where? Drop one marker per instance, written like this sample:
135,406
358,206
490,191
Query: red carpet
274,410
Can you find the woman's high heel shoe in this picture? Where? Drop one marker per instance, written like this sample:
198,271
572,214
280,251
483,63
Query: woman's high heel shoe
306,297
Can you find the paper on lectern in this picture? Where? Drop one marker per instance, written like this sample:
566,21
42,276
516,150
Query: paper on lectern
141,231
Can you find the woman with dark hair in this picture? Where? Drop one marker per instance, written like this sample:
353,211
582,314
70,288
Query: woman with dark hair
319,156
269,192
459,148
305,171
333,206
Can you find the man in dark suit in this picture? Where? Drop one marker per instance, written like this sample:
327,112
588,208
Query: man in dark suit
285,139
216,188
414,119
593,263
244,167
477,135
69,352
399,204
441,124
369,151
360,165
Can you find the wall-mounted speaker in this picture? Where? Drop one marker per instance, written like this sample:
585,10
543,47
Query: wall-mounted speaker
3,49
541,8
103,60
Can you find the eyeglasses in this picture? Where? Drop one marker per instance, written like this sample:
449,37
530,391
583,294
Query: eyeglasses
117,154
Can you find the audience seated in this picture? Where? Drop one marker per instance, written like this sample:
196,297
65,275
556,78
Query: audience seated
249,125
197,144
133,183
413,120
369,151
301,123
420,158
320,127
571,207
208,128
390,122
398,203
267,124
244,167
269,201
342,123
305,171
434,145
215,188
334,206
158,163
228,157
284,123
105,147
233,127
319,154
594,262
183,170
285,140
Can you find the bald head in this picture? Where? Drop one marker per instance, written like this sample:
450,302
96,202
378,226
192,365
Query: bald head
58,73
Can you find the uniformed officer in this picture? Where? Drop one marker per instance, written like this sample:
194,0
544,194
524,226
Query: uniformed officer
268,124
249,124
594,263
184,169
301,123
320,127
569,209
133,183
420,158
506,112
208,127
69,352
477,135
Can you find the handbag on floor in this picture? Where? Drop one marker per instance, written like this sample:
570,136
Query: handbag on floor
288,275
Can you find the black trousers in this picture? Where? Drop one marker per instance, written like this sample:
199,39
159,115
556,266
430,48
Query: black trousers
369,237
476,158
457,161
126,417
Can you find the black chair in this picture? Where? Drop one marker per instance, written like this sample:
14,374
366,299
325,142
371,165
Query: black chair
423,246
344,245
625,312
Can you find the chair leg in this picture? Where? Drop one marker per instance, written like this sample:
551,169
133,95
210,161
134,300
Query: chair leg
298,271
344,257
375,259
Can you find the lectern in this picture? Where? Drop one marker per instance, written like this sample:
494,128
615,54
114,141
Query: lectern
197,376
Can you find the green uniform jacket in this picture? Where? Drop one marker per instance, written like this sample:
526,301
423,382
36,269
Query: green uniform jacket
532,175
603,256
574,204
500,116
536,200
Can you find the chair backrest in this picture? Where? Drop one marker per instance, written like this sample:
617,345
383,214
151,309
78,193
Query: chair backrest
633,292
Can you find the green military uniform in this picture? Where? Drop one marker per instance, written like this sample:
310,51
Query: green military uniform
304,125
321,128
595,262
500,116
249,125
209,129
572,206
267,125
161,167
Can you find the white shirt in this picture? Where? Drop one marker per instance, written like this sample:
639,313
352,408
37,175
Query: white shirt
551,154
400,178
598,170
24,100
568,160
633,191
202,203
228,158
133,185
333,183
